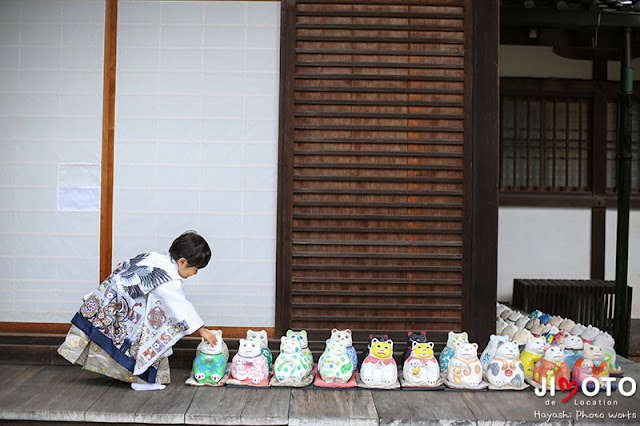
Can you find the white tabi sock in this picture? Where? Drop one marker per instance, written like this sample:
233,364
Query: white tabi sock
147,386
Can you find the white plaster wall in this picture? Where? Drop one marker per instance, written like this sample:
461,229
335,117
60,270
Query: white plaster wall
196,145
542,243
633,276
50,137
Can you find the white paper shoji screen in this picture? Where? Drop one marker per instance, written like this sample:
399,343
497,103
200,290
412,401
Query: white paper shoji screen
196,145
51,55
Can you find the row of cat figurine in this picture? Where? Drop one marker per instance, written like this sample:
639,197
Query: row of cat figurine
458,365
555,347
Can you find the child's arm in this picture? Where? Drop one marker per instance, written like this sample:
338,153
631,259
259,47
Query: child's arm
206,335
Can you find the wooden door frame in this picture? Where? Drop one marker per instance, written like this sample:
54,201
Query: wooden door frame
481,143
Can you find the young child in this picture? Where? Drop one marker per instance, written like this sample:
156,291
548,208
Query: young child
125,329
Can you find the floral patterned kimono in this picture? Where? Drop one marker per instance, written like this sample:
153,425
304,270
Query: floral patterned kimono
126,328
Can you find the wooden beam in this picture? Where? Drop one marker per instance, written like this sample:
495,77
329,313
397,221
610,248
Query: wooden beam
108,124
480,239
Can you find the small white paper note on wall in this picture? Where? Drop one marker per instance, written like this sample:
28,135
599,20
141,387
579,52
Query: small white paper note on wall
79,187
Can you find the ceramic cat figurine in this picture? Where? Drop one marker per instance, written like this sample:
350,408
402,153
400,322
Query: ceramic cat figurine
522,321
413,336
589,334
555,320
551,365
521,337
490,350
505,368
610,356
567,325
379,368
532,352
291,364
210,363
544,318
559,337
531,323
536,330
578,329
510,331
304,343
261,337
344,336
421,367
590,364
249,364
535,314
335,364
500,326
514,316
447,353
464,369
573,346
505,313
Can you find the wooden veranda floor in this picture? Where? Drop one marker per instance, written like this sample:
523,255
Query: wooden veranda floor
32,394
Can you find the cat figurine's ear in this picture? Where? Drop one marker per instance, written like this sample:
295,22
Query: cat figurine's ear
289,333
283,338
348,331
413,344
370,336
430,344
475,345
334,330
424,333
465,335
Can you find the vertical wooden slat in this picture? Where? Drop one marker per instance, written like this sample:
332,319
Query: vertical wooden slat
553,144
285,166
515,143
543,144
528,117
108,120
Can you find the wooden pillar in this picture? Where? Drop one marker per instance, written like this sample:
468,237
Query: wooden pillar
108,120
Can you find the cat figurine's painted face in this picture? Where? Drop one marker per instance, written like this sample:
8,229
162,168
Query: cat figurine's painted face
206,348
422,350
554,353
336,347
259,336
249,348
593,352
290,344
381,349
535,345
343,336
301,335
573,343
466,351
455,338
507,350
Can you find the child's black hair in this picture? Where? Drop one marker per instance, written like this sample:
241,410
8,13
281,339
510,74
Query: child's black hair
192,247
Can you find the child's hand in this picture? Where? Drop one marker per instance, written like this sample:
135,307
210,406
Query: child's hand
207,335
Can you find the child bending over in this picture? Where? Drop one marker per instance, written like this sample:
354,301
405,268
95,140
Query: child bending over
126,328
